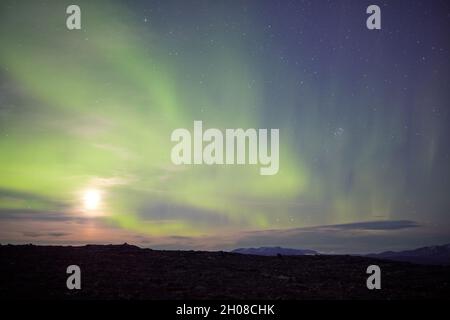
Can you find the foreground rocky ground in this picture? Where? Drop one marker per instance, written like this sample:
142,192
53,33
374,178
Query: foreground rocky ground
128,272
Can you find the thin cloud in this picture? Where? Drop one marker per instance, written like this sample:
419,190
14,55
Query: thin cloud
37,215
46,234
374,225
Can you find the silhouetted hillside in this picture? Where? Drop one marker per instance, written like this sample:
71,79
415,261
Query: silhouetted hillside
128,272
437,255
273,251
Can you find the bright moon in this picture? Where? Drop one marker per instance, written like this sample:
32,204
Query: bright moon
91,199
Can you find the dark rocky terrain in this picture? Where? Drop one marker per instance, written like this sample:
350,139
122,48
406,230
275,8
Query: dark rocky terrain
128,272
273,251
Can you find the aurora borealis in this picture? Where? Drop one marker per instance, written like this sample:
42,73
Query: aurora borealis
86,117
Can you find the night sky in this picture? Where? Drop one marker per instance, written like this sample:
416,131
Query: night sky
364,117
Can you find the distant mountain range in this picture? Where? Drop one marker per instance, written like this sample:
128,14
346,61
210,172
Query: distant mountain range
273,251
432,255
436,255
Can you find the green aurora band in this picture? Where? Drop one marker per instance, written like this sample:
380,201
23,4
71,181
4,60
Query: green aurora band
95,109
